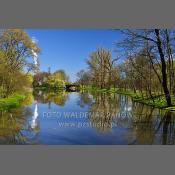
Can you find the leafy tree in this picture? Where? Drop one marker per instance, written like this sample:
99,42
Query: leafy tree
16,61
40,78
100,66
158,46
61,74
84,77
18,47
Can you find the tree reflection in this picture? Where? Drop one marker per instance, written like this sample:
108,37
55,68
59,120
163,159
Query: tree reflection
135,122
152,126
85,99
143,124
102,111
12,124
168,129
58,97
34,122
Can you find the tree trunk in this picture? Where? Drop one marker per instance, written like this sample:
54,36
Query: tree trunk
163,62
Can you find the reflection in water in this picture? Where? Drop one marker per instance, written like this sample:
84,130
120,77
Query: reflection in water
85,99
34,117
168,128
113,118
11,125
102,112
143,124
107,110
58,97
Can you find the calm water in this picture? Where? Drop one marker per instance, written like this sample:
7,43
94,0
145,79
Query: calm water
84,118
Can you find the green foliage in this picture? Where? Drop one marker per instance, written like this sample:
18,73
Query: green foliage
61,75
45,80
147,66
54,81
11,102
59,97
16,48
158,101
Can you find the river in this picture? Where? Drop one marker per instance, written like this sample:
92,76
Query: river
74,118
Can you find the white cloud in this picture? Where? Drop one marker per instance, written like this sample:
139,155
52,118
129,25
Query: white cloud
35,55
34,40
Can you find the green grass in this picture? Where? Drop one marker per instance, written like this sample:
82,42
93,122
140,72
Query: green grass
158,102
11,102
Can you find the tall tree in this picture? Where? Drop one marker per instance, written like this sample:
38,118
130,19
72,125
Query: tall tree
100,66
154,41
17,53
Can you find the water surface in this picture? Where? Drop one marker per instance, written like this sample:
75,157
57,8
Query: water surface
84,118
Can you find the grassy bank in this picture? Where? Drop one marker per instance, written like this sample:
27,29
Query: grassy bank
11,102
158,101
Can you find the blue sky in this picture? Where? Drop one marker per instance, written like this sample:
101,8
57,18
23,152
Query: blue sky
68,49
